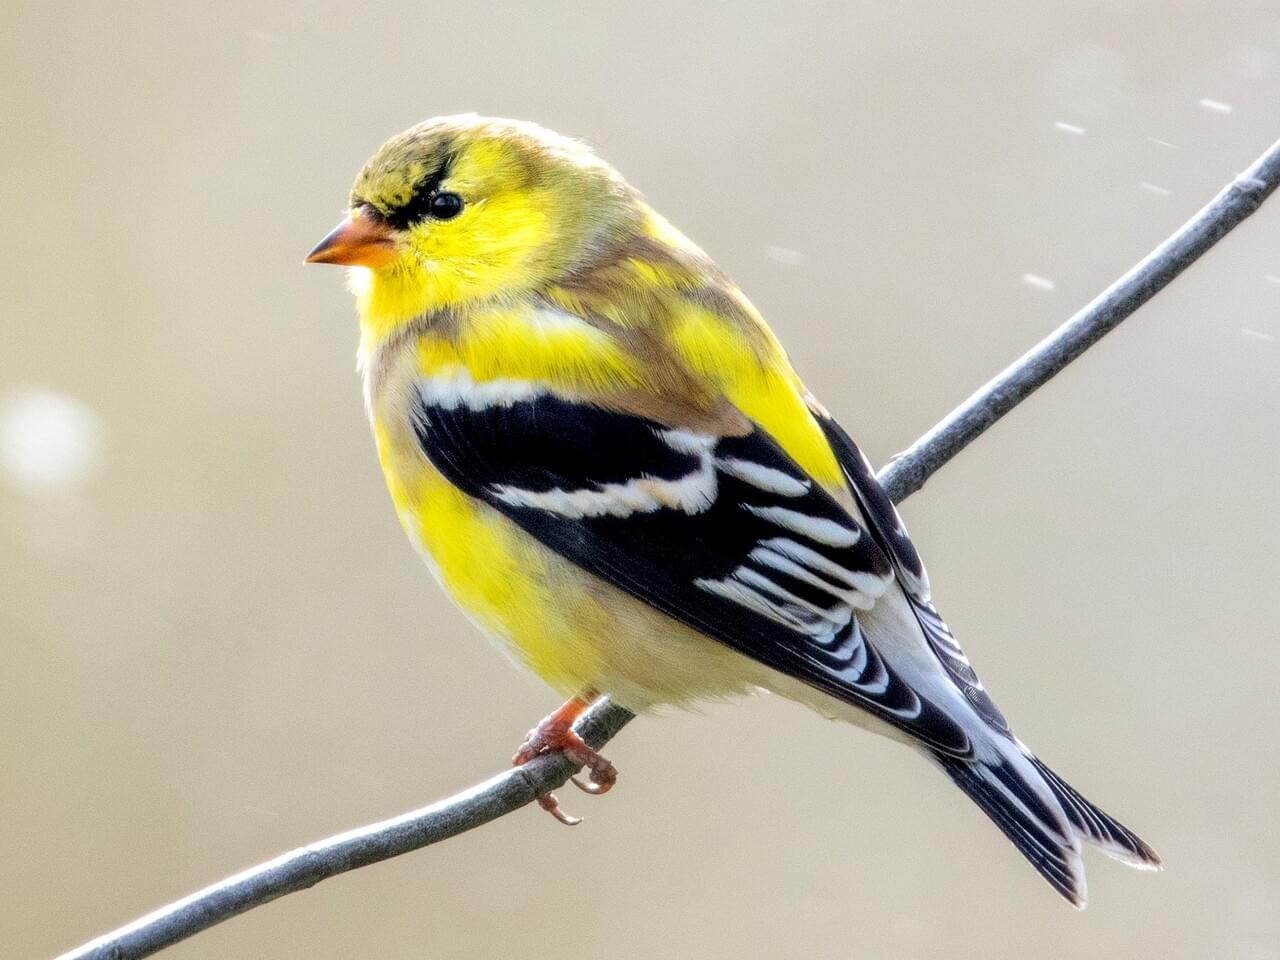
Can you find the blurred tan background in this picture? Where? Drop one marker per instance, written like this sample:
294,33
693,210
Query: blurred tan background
217,644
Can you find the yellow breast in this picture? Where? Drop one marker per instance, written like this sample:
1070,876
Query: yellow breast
547,611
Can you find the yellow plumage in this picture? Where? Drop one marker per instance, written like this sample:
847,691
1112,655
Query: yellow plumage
607,460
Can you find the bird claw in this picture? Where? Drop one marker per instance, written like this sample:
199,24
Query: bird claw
548,802
555,734
589,786
602,775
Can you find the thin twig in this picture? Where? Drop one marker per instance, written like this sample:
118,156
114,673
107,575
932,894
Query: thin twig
908,472
515,788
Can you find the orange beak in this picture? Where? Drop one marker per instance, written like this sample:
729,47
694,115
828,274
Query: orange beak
358,241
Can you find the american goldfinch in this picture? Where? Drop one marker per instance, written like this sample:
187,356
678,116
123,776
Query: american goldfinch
606,459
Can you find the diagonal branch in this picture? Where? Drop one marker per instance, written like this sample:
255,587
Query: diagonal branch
511,790
1237,200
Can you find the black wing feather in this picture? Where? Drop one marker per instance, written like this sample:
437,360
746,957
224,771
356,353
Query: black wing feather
891,534
737,564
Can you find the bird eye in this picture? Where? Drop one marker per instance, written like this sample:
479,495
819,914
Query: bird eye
445,206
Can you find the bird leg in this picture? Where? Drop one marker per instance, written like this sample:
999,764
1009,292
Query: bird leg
555,733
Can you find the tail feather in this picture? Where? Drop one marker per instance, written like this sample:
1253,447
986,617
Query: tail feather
1100,829
1051,849
1045,818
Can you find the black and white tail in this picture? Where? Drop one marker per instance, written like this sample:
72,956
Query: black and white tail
1045,817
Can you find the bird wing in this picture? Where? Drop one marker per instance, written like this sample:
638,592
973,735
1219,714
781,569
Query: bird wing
724,533
890,533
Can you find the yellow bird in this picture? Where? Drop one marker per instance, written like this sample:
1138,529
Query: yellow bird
606,459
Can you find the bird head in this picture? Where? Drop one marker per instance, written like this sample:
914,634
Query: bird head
464,208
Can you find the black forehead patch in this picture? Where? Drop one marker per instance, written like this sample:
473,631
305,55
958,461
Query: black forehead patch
410,212
403,215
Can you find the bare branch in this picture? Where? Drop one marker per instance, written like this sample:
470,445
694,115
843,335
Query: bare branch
908,472
307,866
515,788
